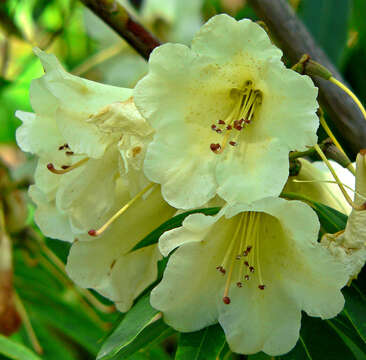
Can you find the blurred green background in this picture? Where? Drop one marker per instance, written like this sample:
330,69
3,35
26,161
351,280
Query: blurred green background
66,322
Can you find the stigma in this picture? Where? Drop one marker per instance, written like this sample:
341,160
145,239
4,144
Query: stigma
242,256
242,114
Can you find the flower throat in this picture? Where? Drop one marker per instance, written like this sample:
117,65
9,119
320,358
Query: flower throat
241,115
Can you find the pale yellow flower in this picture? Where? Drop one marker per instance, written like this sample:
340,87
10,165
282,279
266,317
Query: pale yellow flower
252,268
226,113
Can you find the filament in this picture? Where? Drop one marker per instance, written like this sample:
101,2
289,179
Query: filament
66,169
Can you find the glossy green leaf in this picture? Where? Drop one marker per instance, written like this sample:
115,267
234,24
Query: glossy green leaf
15,351
355,309
136,320
330,219
327,20
205,344
172,223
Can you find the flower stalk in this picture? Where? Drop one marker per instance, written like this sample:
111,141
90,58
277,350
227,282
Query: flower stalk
119,19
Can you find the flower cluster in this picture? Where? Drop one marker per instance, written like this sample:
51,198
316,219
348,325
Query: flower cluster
213,122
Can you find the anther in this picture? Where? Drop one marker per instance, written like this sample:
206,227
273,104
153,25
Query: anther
215,147
261,287
238,257
239,284
69,153
226,300
213,127
221,269
92,232
247,121
246,277
221,122
246,263
219,131
245,253
232,143
64,167
251,269
229,127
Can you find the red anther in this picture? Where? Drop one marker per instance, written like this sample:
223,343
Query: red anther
236,123
226,300
221,269
251,269
245,253
232,143
215,147
246,263
92,232
69,153
50,166
249,248
64,167
239,284
219,131
221,122
261,287
238,127
229,127
241,121
246,277
247,121
213,127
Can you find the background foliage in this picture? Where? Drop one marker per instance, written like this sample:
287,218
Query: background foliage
68,323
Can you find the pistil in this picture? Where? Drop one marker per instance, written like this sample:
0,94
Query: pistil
66,168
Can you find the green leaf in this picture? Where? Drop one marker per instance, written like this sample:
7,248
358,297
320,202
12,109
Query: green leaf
172,223
132,325
320,340
205,344
330,219
328,20
16,351
355,310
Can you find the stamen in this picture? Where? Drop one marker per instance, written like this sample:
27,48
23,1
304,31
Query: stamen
66,168
120,212
213,127
226,299
221,122
232,143
229,127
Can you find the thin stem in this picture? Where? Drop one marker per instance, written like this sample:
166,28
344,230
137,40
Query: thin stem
118,18
336,143
27,324
350,93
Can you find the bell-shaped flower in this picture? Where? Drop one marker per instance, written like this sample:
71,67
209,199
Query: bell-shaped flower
86,135
252,268
226,113
349,246
315,184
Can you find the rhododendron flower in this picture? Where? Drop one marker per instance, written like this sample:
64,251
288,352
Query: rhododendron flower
226,113
86,135
349,246
252,268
